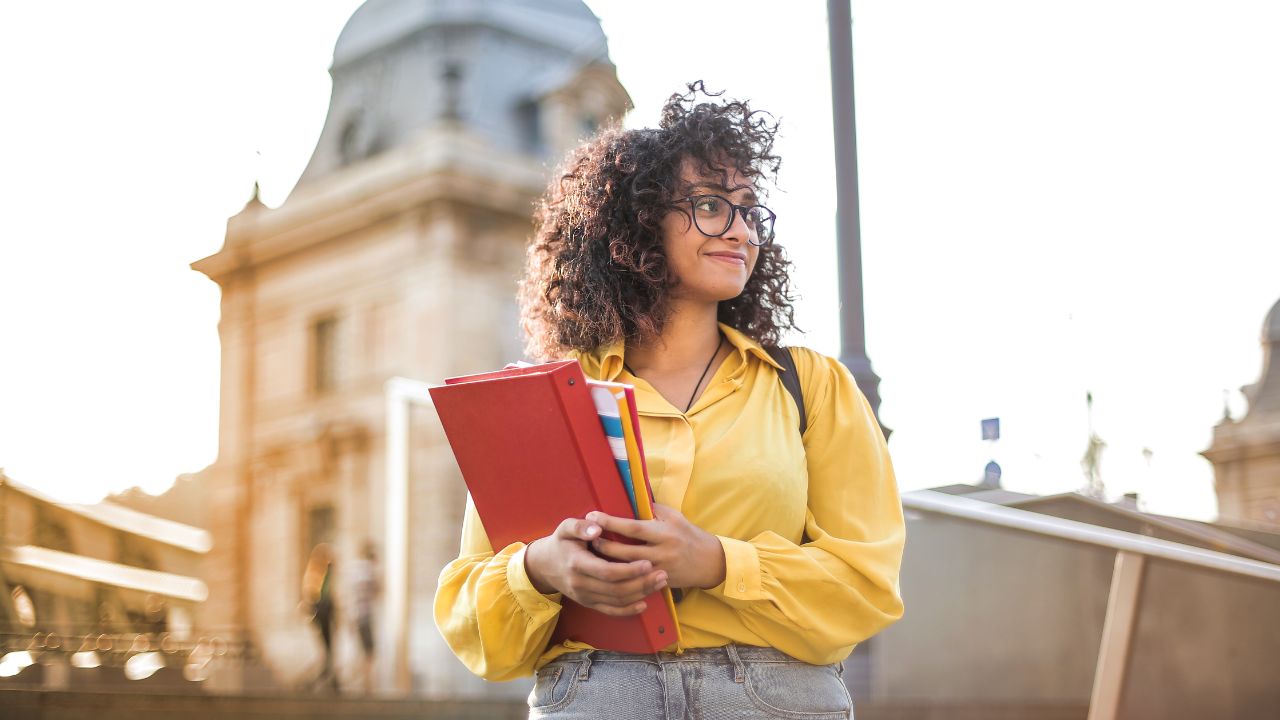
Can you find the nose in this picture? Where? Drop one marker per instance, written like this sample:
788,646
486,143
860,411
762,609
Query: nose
738,230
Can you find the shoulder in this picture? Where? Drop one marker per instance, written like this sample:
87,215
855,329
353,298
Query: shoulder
821,376
813,366
808,359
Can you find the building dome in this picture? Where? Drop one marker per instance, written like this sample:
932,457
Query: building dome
1271,326
1264,395
484,67
567,24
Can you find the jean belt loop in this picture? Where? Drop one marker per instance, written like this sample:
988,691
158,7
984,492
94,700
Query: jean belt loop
739,670
584,669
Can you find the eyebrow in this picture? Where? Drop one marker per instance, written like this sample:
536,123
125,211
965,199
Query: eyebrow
751,193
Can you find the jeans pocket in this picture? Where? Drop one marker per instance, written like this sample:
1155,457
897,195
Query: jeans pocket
798,691
553,687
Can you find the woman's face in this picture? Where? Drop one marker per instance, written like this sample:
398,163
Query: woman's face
709,269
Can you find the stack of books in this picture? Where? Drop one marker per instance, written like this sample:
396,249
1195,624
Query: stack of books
541,443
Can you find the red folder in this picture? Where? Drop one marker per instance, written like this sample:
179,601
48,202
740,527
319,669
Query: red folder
532,452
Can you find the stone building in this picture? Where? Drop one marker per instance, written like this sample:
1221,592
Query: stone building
101,579
1246,453
396,255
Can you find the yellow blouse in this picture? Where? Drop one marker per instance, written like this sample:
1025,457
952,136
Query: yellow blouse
736,466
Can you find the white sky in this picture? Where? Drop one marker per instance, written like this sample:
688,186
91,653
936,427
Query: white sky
1057,197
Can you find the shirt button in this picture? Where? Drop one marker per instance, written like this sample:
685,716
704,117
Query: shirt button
742,587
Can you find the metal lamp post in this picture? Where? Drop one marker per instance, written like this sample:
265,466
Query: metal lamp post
853,336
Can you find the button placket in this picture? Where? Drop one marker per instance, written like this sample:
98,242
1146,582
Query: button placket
679,465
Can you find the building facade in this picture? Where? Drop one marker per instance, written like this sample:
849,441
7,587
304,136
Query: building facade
396,255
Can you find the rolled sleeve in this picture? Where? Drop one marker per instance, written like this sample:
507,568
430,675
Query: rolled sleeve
537,606
487,609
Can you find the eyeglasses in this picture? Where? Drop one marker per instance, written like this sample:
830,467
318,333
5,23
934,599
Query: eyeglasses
713,216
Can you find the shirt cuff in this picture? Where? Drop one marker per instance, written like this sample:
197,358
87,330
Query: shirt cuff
537,605
741,571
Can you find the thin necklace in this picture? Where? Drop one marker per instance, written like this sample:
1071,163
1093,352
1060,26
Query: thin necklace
705,370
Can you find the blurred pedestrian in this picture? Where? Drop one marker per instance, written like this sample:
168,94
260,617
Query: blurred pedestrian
365,589
317,597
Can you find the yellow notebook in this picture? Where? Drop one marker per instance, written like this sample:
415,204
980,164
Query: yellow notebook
639,473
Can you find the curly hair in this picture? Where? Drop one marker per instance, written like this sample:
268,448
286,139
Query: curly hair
596,271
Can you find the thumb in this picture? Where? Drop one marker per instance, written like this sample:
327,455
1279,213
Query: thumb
578,529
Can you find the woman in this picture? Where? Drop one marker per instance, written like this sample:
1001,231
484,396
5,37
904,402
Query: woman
653,264
317,601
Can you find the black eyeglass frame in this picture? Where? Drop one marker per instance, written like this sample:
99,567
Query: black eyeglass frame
759,241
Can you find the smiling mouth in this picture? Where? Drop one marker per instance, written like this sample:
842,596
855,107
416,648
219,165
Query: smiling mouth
729,258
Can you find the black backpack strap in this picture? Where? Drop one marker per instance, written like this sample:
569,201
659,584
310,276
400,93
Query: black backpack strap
790,380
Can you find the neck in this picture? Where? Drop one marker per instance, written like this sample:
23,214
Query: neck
688,338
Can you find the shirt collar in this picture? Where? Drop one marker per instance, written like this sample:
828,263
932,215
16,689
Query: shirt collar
745,345
606,362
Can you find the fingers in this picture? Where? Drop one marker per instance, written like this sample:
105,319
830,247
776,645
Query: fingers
622,552
614,588
619,594
585,563
628,611
578,529
642,530
617,598
655,582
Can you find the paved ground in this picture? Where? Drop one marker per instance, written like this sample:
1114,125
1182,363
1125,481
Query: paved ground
57,705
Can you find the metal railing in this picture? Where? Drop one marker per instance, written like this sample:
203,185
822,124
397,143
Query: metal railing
1123,598
999,515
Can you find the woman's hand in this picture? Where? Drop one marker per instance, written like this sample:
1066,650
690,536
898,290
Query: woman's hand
562,562
691,556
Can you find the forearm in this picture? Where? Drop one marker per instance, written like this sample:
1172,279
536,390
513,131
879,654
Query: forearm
815,601
492,616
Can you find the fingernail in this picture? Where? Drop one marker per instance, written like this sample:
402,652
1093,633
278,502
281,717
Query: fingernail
640,607
593,530
662,578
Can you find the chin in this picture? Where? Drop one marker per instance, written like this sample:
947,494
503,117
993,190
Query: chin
728,293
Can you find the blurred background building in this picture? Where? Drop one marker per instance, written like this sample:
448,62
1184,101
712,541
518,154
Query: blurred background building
102,582
395,255
1246,453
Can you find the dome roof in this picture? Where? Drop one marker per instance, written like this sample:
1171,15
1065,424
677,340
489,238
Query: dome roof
568,24
1264,395
1271,326
403,67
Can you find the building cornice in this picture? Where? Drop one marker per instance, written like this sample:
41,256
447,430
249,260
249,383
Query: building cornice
447,164
1242,446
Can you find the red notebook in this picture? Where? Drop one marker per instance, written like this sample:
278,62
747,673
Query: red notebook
532,452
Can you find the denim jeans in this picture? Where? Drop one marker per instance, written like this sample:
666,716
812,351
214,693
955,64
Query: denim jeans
733,682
